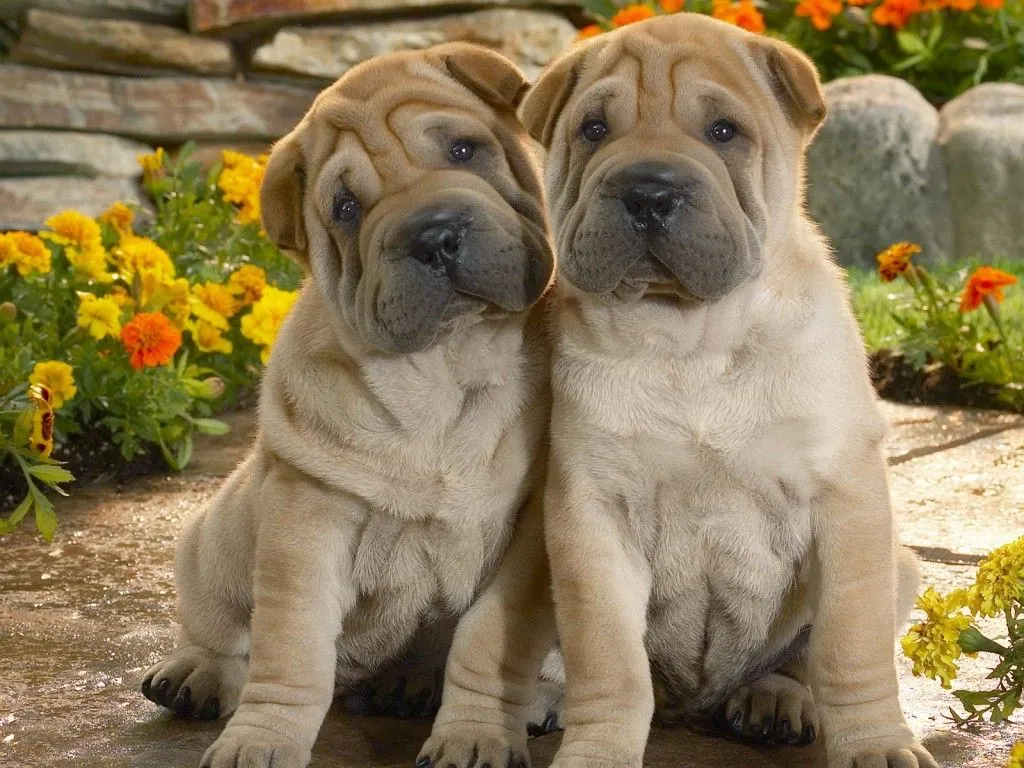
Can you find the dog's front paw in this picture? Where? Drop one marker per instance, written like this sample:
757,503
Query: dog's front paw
254,748
913,756
583,753
774,709
472,745
196,682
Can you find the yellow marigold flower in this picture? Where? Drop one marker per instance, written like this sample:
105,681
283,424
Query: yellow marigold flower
1017,756
152,164
27,252
142,255
100,316
248,282
895,260
7,251
89,264
264,321
207,337
73,229
217,298
120,296
632,14
240,182
56,377
41,438
172,296
932,644
999,581
120,217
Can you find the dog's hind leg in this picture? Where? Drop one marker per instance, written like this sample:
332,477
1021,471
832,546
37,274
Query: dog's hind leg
203,677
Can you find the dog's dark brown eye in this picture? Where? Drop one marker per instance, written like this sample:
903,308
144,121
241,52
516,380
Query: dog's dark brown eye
462,151
722,131
595,130
346,208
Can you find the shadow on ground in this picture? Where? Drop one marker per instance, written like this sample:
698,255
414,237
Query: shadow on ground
81,619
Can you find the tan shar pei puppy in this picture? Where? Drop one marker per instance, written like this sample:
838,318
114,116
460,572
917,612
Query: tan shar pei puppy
717,509
401,412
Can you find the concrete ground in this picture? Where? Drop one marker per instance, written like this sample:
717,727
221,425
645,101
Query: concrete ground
82,618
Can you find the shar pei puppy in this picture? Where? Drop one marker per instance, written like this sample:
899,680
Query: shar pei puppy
717,516
401,411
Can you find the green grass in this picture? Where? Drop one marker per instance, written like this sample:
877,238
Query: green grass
874,302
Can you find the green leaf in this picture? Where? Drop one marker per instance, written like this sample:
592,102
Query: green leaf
46,517
184,453
910,42
210,426
51,474
913,61
934,35
18,514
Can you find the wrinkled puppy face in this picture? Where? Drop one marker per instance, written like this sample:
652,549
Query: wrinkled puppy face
409,192
674,163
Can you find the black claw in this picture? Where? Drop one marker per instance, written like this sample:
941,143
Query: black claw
807,736
183,703
550,722
736,722
784,731
145,686
210,710
424,762
767,726
521,763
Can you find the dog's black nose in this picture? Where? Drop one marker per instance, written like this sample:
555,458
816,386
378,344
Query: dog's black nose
650,202
438,242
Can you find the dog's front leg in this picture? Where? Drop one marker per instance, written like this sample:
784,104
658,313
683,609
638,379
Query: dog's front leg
302,590
852,656
496,657
601,586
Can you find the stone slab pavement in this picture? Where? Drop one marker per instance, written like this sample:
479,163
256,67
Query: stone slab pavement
81,619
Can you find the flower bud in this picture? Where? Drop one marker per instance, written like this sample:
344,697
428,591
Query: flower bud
8,311
213,387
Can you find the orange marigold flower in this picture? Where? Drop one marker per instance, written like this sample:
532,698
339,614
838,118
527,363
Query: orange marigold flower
150,340
858,3
992,5
959,5
632,14
743,14
986,281
591,30
820,12
672,6
896,13
895,260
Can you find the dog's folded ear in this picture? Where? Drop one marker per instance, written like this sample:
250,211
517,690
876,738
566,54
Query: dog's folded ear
794,80
546,99
281,198
486,73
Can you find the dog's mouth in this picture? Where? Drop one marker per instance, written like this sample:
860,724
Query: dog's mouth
650,278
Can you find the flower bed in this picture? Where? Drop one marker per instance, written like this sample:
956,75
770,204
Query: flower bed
951,337
118,345
942,47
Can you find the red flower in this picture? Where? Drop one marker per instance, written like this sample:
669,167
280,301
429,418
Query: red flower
150,340
986,281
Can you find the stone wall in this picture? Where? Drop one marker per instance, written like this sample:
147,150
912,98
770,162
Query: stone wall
888,166
87,85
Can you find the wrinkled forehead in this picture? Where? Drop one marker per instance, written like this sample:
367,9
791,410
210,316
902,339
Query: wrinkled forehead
384,124
664,72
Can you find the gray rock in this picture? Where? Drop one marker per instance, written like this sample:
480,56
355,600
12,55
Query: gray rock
530,38
875,174
48,153
117,46
160,11
982,137
236,17
27,203
160,110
